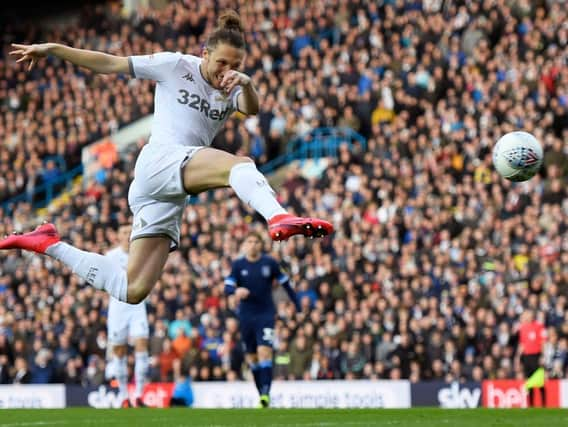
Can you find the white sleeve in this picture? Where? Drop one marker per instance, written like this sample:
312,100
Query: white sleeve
157,66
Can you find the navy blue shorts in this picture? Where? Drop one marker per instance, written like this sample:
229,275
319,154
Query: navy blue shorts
257,331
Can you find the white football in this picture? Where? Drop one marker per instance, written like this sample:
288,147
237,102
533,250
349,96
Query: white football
517,156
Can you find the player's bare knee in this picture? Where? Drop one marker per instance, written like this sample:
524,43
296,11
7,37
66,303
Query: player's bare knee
136,289
136,298
243,159
136,293
141,345
264,354
225,170
119,350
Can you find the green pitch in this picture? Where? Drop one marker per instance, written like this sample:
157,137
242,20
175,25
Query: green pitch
418,417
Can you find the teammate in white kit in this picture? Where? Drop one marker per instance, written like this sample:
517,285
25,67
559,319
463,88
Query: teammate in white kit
127,321
194,97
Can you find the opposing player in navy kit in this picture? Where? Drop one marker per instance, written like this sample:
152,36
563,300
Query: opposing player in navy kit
194,98
251,280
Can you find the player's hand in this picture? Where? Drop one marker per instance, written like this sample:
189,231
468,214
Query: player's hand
233,78
242,293
31,52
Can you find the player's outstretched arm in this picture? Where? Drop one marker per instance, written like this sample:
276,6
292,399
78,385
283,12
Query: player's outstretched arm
248,99
98,62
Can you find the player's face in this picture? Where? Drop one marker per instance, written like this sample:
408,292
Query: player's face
218,61
253,246
124,235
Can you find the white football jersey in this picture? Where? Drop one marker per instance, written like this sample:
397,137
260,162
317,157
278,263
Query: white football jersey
187,109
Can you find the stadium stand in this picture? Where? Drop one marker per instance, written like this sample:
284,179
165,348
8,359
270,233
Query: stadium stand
435,257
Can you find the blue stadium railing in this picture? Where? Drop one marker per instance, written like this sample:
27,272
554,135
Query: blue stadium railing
43,194
316,144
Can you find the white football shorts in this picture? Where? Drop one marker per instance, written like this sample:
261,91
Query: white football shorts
156,196
126,321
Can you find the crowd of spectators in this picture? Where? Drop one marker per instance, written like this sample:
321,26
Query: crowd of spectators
435,256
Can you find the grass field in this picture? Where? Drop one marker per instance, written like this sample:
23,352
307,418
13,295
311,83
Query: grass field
418,417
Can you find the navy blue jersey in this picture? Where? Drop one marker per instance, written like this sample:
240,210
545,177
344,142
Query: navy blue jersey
257,277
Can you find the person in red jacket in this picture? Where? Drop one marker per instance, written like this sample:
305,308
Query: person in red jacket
532,336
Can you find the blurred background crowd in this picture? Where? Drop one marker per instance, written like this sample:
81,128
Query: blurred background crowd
435,257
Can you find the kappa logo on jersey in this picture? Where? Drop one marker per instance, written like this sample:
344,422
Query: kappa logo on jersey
188,77
244,273
266,271
201,105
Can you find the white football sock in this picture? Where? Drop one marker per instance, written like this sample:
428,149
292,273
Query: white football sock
97,270
121,373
140,370
253,189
